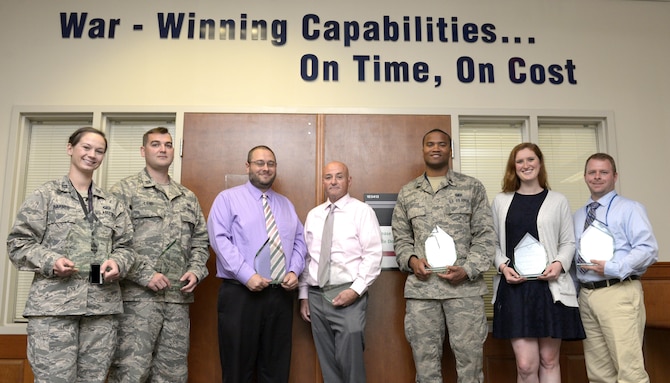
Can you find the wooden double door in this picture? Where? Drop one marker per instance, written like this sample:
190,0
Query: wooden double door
383,153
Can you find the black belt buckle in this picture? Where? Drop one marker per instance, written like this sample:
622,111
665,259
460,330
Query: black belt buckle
274,285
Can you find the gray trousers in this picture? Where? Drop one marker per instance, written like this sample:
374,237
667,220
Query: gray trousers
339,338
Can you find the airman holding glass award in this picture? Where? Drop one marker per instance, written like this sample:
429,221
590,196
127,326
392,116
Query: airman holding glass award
65,233
171,244
86,260
440,250
173,265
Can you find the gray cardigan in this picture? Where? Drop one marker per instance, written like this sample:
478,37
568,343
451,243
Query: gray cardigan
555,228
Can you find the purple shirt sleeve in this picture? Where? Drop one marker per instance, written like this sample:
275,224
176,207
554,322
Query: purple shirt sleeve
236,226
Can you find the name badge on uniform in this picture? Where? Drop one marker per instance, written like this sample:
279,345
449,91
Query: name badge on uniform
440,250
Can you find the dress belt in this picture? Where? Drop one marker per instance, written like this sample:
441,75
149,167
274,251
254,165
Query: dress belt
238,283
607,282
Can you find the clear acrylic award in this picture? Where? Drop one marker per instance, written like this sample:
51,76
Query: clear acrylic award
596,243
530,257
440,250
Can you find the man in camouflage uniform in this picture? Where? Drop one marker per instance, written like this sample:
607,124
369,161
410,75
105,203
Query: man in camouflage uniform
172,250
449,300
63,228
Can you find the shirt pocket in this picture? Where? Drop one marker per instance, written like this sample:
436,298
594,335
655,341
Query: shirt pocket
459,213
416,214
63,232
420,222
147,221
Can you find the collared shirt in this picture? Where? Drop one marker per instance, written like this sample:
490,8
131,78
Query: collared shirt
356,251
460,207
47,228
170,236
635,247
236,226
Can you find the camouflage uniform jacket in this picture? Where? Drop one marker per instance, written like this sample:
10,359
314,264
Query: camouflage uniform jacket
460,207
170,237
51,225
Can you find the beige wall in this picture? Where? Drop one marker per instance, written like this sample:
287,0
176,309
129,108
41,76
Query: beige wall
620,48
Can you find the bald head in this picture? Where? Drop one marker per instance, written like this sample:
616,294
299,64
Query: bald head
336,180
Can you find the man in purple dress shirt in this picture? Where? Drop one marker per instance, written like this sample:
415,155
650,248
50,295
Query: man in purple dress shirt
255,309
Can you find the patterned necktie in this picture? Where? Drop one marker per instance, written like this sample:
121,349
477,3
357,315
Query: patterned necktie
326,243
277,262
591,214
590,217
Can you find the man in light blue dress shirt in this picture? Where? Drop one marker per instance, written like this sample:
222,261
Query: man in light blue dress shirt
611,299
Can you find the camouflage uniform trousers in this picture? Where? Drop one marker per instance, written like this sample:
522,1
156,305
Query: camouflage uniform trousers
427,320
153,343
66,349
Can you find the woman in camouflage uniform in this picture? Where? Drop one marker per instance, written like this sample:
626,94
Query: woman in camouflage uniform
77,240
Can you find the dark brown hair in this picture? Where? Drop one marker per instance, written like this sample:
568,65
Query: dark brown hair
79,133
260,147
159,130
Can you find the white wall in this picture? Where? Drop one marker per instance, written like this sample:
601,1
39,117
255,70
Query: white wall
620,49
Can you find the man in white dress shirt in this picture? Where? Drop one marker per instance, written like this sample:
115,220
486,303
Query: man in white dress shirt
336,310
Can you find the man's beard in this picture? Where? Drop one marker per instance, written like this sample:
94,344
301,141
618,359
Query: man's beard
256,181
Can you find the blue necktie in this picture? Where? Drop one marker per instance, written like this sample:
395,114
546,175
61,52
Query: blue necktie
591,214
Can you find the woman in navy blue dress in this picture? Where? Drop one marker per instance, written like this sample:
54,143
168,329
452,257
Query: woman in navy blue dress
535,312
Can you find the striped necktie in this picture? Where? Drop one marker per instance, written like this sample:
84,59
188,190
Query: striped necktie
277,262
591,214
590,217
326,244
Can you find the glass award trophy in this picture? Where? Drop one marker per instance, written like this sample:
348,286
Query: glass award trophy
440,250
172,264
596,243
330,292
530,257
262,262
82,247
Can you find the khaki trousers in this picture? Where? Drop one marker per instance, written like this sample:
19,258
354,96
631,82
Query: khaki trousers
614,319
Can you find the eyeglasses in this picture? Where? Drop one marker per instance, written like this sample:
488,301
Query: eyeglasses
261,163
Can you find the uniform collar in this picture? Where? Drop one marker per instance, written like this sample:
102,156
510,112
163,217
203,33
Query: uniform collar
423,183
